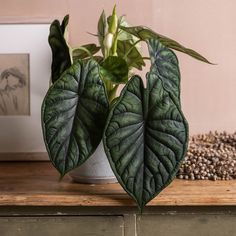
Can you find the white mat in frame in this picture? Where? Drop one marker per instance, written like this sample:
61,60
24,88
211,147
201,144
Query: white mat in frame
21,135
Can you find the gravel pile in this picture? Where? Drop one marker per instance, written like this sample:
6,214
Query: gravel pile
210,156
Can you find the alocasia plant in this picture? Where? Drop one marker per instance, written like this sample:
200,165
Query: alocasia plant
144,132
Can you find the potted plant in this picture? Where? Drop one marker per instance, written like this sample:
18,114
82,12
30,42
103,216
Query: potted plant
144,131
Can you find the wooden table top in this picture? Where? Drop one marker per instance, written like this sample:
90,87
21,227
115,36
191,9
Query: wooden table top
37,184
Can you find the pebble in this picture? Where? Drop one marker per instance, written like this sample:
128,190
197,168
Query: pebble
210,156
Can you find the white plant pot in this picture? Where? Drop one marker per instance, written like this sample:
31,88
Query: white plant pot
96,170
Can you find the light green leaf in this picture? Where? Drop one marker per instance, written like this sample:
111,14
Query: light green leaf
112,93
133,58
102,26
115,69
123,35
74,112
145,33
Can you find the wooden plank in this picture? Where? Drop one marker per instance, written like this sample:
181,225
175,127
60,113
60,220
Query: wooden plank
61,226
130,225
37,184
187,224
24,156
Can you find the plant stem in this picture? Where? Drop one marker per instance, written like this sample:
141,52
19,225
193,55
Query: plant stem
146,58
112,93
114,46
85,50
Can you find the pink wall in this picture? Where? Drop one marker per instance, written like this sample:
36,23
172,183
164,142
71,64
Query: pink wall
208,92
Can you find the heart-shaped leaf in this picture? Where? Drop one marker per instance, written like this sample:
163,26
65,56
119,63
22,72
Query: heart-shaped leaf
133,58
60,50
115,69
145,33
145,138
74,113
166,65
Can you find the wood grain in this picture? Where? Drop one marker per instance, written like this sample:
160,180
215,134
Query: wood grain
24,156
37,184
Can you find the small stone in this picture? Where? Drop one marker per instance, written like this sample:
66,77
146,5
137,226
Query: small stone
210,156
214,177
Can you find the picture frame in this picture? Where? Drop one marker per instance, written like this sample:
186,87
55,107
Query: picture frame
20,103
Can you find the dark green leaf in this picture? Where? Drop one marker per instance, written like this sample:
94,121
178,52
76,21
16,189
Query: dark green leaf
98,59
145,33
64,23
60,50
115,69
79,53
102,25
166,65
145,138
134,58
74,112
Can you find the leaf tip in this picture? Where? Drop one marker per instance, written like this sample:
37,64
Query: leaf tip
213,64
114,10
141,206
67,16
61,177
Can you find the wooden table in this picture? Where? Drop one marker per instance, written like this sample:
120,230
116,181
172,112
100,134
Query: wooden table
34,202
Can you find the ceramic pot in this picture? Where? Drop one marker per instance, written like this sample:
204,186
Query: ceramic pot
96,170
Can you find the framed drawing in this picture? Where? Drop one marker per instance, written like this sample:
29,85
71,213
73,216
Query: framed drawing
25,60
14,84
